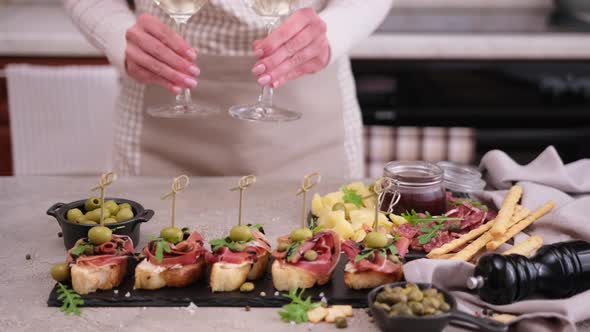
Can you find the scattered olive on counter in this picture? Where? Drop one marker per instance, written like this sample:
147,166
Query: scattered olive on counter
247,287
60,272
99,235
411,301
301,234
341,322
172,234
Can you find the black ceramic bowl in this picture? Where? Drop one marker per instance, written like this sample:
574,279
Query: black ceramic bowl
429,323
72,232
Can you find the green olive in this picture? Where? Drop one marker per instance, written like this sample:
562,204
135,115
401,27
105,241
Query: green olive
240,233
94,215
124,214
247,287
283,246
339,207
125,206
417,308
430,292
99,235
111,206
415,295
60,272
429,310
110,220
73,214
310,255
375,240
92,203
444,307
172,234
341,322
394,259
301,234
431,302
85,221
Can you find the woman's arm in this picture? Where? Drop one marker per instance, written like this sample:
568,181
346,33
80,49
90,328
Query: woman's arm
104,23
351,21
307,42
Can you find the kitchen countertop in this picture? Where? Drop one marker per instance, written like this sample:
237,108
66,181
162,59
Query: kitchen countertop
206,205
47,31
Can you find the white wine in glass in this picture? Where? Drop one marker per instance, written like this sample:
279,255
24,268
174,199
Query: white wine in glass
181,11
271,12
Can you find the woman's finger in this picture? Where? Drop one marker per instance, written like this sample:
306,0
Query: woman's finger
161,69
143,75
292,63
292,49
169,37
284,32
309,67
158,50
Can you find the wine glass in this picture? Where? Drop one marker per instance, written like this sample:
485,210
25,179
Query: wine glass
271,12
181,11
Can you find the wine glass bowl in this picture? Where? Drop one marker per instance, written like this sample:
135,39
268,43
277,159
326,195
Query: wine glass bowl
181,11
264,110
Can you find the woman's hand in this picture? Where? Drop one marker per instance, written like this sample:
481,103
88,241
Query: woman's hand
297,47
157,54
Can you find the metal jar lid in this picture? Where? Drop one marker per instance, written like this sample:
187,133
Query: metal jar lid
414,173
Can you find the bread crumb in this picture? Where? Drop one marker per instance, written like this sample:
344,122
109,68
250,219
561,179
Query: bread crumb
277,293
191,308
322,294
247,308
127,294
116,291
262,294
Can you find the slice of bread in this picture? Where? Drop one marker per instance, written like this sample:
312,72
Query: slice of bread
88,279
370,279
286,277
226,277
150,276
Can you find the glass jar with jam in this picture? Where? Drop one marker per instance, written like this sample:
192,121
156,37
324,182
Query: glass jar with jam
461,180
420,186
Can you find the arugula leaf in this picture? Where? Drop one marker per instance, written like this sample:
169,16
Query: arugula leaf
227,242
296,311
70,300
292,250
430,232
317,229
363,254
416,219
80,249
472,202
257,227
351,196
392,249
161,246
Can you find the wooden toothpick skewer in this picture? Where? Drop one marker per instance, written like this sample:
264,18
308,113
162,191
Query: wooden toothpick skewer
178,184
244,183
309,181
105,180
381,185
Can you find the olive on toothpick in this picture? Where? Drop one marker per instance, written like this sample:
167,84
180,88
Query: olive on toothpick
376,239
98,235
241,233
172,233
304,233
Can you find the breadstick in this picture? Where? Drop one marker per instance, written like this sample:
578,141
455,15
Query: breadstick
443,256
526,247
474,233
506,211
468,252
519,227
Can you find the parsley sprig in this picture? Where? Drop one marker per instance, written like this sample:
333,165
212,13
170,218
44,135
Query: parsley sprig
81,248
431,231
296,311
351,196
227,242
70,300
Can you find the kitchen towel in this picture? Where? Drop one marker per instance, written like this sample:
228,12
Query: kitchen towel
546,178
61,118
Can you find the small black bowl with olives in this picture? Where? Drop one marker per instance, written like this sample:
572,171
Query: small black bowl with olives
123,216
408,307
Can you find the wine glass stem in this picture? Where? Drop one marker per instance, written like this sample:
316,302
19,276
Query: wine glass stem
266,96
184,98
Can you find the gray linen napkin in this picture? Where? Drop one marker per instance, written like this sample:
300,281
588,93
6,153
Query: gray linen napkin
546,178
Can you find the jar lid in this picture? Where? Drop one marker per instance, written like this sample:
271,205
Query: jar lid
414,173
461,178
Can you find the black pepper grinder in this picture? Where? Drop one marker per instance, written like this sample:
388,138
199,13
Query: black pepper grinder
557,271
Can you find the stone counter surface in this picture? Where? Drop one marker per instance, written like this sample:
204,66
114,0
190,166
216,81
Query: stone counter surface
207,206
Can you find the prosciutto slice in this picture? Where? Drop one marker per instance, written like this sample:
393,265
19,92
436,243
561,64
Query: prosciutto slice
380,263
326,243
185,252
106,253
256,248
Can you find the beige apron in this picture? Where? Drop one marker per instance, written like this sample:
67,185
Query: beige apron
326,139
